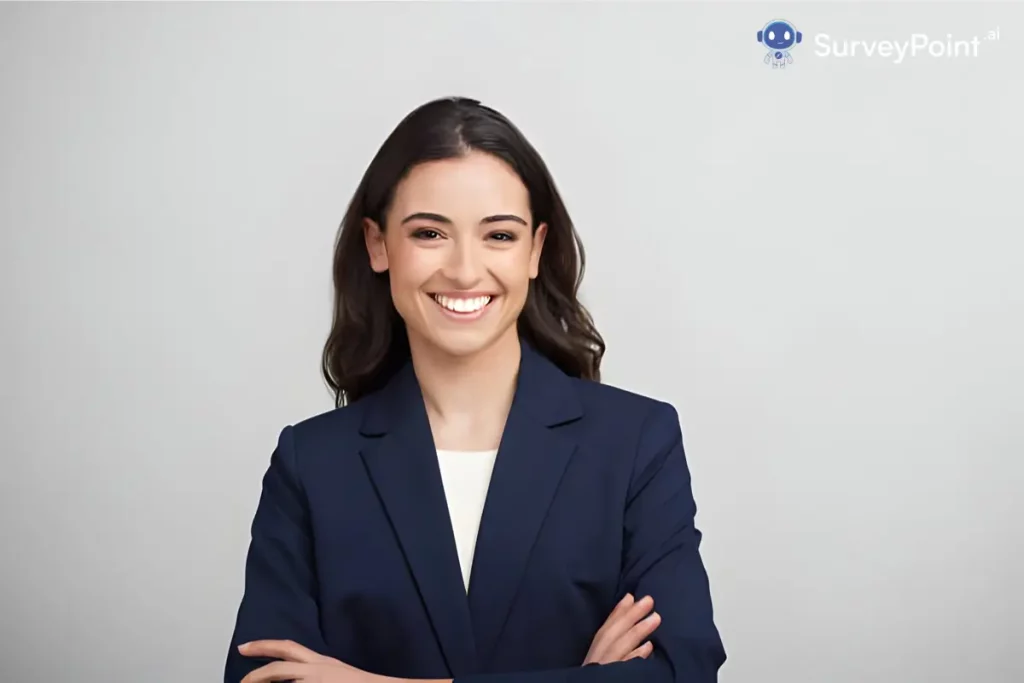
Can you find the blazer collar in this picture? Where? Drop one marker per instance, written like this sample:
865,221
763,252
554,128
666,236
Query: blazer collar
532,457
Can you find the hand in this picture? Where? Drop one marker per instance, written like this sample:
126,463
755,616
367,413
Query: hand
624,633
301,665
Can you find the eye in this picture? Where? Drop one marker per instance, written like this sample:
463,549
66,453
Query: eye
503,236
426,234
786,35
771,35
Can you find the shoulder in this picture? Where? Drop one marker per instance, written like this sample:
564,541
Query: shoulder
329,425
320,437
650,426
623,406
623,421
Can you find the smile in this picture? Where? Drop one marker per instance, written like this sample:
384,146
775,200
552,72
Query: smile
463,307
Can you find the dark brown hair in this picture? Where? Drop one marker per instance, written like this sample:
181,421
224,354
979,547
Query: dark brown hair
368,342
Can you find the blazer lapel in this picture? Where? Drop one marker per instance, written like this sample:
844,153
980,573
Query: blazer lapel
402,464
531,460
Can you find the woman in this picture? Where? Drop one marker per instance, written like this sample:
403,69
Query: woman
465,369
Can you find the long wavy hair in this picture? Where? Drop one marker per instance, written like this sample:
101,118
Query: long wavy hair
368,343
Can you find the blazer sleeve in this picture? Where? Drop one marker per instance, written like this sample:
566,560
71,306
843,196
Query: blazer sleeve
661,558
279,598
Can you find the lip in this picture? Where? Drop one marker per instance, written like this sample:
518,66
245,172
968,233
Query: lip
463,294
463,317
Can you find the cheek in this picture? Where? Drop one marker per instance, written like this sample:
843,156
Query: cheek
514,272
409,268
405,290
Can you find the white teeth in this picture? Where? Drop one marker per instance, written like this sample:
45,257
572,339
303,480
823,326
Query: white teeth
462,305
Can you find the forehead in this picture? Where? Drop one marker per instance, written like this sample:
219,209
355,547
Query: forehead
476,183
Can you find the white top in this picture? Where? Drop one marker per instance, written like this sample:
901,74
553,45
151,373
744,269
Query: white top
466,476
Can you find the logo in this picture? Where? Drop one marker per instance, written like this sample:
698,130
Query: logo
779,37
900,51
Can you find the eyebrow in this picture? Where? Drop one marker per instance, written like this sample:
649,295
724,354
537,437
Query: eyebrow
438,218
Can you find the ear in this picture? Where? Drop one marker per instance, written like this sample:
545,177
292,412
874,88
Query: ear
799,36
538,246
375,246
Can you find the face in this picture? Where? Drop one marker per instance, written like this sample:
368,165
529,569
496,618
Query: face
460,252
779,36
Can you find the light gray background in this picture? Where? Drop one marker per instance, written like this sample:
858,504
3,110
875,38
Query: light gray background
821,268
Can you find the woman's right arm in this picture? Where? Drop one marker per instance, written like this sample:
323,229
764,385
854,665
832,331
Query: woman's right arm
279,600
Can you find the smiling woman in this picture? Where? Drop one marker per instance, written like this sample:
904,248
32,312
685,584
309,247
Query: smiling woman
470,258
456,203
478,507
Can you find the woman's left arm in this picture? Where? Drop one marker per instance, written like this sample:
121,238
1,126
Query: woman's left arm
662,557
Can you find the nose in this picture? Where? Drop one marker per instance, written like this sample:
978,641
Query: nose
464,266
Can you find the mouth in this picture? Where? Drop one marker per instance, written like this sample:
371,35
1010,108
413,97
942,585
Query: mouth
464,307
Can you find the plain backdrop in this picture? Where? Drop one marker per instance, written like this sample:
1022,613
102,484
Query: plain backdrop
821,267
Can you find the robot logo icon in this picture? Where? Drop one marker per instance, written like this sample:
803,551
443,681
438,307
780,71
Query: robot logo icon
779,36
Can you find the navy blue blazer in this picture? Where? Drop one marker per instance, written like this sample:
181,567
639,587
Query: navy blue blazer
353,554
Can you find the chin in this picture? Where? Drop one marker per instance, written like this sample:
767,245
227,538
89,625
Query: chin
467,345
463,343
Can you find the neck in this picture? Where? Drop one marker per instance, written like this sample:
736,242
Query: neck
468,397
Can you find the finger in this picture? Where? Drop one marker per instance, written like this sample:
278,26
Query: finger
281,649
616,628
277,671
633,638
640,609
616,614
624,604
640,632
644,651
